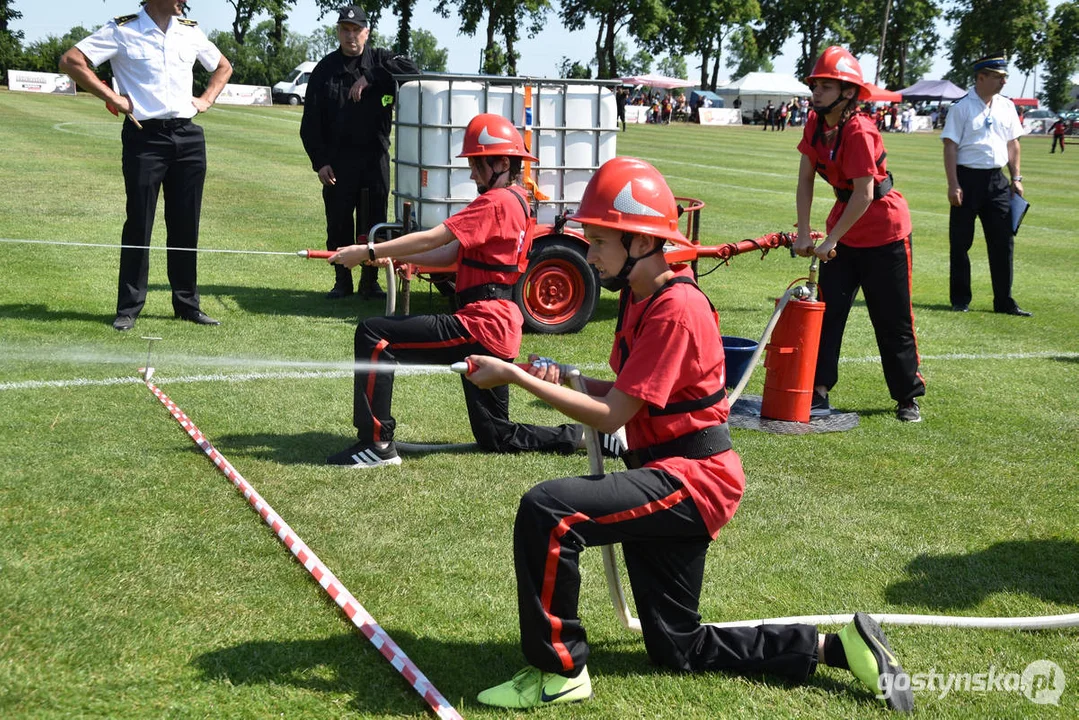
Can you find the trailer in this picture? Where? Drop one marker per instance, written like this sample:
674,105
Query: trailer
569,125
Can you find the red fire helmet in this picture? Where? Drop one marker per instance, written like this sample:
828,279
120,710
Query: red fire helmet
837,63
630,195
490,134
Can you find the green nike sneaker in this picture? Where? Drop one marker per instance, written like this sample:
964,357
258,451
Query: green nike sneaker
872,661
531,687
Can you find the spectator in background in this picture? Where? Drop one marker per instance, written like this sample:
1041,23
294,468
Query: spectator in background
769,117
151,54
1059,128
981,136
620,96
781,116
346,133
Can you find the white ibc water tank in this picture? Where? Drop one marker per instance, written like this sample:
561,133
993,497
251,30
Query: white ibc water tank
574,132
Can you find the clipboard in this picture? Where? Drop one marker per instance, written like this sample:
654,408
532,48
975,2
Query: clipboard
1019,207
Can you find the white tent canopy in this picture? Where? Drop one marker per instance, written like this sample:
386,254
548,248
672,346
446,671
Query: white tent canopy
656,81
762,83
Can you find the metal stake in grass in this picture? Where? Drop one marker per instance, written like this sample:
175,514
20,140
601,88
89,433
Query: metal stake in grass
148,371
329,582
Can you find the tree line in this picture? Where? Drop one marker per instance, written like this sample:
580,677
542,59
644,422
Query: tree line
741,35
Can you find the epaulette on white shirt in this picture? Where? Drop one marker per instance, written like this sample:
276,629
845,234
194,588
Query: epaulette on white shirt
188,23
124,19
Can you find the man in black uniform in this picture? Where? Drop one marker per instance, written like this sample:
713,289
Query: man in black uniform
162,148
346,133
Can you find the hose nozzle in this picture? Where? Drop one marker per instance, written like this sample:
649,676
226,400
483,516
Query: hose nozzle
464,367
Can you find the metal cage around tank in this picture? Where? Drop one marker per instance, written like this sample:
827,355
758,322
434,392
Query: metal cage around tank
570,125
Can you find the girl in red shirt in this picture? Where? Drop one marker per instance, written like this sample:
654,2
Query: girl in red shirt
490,240
683,484
868,246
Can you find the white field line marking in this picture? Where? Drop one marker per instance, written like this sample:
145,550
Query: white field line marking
260,116
404,370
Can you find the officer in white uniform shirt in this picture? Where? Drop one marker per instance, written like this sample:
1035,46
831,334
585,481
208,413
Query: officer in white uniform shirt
151,54
981,135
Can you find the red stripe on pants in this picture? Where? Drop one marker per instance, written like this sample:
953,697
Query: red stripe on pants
554,551
382,345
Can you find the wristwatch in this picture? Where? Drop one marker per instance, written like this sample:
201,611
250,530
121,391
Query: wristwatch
371,249
1017,178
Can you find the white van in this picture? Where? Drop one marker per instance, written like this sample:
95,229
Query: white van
292,89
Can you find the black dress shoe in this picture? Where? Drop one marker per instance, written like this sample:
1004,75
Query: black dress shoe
199,318
1017,311
123,323
338,292
960,308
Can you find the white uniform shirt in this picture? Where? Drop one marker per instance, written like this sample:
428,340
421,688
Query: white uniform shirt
153,68
982,131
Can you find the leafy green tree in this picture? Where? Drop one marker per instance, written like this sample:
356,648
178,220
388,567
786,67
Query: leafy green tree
641,19
673,66
816,23
640,63
744,55
44,55
322,42
702,27
504,18
910,39
1017,29
574,70
426,53
1063,56
260,60
10,40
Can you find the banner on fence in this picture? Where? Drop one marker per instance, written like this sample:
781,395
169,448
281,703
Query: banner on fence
40,82
245,95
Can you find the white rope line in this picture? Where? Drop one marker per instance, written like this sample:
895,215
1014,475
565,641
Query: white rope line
144,247
404,370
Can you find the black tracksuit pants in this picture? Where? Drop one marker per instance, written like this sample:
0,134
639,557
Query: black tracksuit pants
884,275
169,154
986,195
348,212
665,542
440,340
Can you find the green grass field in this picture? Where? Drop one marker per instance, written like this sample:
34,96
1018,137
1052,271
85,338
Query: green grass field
135,581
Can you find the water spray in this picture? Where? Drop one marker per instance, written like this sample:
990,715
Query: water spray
325,578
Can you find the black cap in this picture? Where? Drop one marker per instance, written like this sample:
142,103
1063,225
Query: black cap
353,14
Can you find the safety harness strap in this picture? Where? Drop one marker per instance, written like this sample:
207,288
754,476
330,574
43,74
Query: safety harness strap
694,446
500,268
487,291
879,189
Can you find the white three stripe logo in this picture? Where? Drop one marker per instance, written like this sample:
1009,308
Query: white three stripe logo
624,202
487,138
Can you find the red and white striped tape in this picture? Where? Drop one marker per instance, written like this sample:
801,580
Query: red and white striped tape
329,582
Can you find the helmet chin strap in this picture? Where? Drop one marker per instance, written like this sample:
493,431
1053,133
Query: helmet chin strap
621,280
825,109
495,174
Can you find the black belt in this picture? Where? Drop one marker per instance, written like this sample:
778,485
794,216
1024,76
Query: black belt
879,190
164,124
695,445
487,291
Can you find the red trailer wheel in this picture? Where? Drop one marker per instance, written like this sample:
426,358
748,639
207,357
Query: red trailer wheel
558,291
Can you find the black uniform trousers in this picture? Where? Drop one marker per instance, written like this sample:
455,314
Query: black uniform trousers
986,195
348,214
169,154
441,340
884,275
665,541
